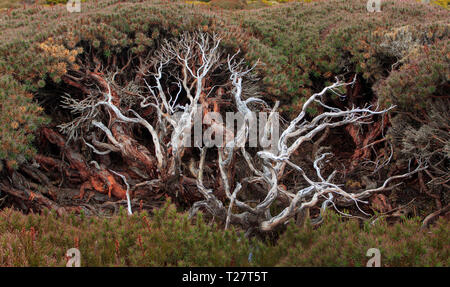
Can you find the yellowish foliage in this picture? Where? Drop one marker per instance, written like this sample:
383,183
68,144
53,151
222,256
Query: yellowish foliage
64,58
197,2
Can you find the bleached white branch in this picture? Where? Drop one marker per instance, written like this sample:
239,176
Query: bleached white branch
186,65
127,191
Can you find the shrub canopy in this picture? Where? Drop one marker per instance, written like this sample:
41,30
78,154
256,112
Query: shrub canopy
168,238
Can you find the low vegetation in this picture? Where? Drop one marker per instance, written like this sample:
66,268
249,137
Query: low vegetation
168,238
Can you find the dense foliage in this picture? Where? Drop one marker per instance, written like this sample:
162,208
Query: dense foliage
168,238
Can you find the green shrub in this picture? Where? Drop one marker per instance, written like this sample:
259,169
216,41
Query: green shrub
164,239
343,242
19,118
168,238
304,46
424,75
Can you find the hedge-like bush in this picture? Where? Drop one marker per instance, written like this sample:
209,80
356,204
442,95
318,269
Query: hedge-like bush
165,238
343,242
168,238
